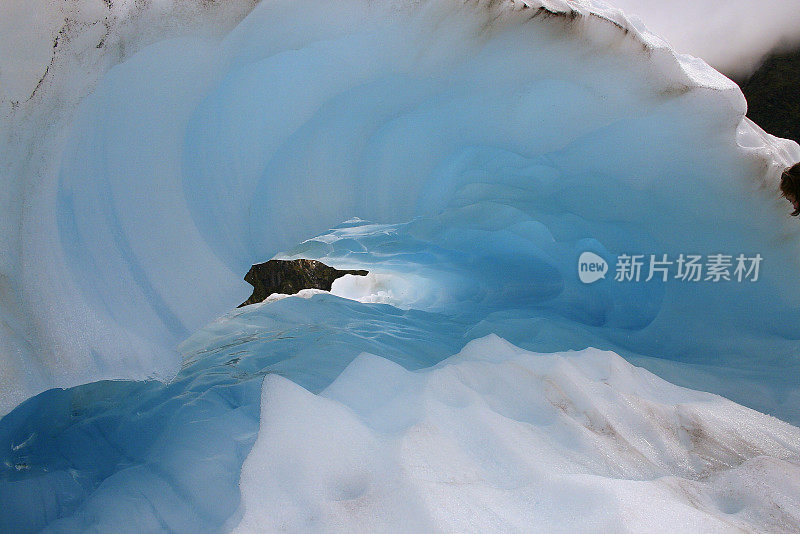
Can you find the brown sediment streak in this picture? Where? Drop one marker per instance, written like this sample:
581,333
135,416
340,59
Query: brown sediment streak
545,13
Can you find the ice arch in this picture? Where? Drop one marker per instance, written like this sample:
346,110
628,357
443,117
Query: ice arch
197,157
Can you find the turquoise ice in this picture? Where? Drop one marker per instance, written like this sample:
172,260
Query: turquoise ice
466,155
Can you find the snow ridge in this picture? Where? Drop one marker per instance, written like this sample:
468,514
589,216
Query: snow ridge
496,437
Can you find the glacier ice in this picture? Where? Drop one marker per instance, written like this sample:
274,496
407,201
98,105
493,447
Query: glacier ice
474,151
152,456
197,157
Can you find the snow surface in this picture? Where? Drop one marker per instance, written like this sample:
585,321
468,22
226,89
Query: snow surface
734,36
498,439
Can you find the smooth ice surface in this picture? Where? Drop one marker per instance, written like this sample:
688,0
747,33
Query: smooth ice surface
52,54
474,151
500,439
144,456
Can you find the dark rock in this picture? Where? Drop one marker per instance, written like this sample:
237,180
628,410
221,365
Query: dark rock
290,276
773,95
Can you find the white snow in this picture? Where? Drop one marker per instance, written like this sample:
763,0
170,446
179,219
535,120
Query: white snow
498,439
374,288
732,35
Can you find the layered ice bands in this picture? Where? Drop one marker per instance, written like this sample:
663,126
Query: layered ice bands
466,154
196,158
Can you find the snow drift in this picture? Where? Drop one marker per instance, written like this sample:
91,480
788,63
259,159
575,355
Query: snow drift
497,438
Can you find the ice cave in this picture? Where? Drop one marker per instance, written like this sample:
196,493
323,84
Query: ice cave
466,154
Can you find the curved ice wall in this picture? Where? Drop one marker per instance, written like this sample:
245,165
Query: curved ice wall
198,156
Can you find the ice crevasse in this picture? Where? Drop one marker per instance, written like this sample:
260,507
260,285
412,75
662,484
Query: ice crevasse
466,154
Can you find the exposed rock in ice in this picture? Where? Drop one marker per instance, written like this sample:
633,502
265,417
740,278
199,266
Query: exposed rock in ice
288,277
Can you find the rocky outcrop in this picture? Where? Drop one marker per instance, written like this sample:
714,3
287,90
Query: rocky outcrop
290,276
773,95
